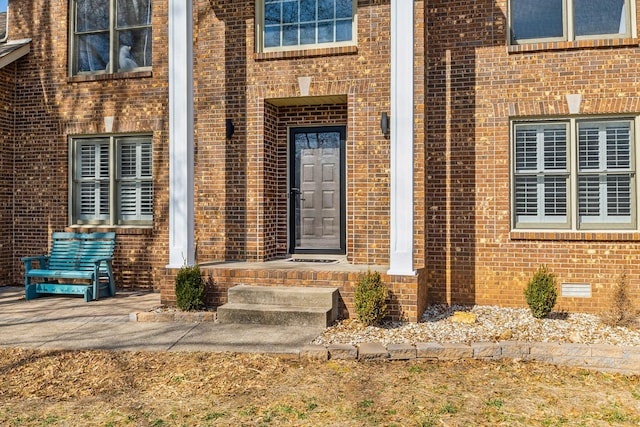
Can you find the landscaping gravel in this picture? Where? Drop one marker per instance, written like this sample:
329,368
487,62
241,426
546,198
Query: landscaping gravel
459,324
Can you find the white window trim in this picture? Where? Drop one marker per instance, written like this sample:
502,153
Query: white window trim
259,34
568,26
114,173
112,44
573,224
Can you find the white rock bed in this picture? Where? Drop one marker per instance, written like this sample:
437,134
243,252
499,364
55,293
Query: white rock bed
493,324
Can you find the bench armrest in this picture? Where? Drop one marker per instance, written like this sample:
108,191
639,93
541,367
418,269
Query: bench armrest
43,261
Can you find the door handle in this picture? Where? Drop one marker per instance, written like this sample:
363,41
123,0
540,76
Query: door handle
297,192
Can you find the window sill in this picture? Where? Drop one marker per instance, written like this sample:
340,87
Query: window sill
571,45
582,236
111,76
306,53
129,230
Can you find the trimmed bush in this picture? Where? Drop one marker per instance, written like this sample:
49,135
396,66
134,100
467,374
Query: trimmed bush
541,293
189,288
370,298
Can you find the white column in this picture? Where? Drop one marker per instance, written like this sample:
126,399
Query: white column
181,234
401,259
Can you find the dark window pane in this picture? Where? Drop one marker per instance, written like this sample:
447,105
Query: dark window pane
92,15
325,32
135,49
536,19
3,20
272,14
592,17
93,52
307,10
344,9
307,34
272,37
289,35
343,31
134,12
290,12
326,9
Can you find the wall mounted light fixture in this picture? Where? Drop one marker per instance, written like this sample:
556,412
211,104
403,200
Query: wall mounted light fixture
384,122
230,128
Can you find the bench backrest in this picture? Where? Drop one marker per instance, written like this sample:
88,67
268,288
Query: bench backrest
76,251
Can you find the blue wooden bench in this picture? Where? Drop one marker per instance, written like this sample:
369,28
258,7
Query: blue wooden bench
78,263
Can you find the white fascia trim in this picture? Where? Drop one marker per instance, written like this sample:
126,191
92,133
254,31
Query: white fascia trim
181,135
402,126
15,54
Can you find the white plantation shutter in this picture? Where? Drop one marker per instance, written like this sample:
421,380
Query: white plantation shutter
541,174
605,173
135,180
92,180
112,180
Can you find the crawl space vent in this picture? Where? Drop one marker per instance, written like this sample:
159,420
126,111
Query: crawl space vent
576,290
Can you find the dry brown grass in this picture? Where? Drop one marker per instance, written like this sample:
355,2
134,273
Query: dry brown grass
95,388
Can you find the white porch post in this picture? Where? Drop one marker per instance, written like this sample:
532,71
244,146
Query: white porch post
181,234
401,259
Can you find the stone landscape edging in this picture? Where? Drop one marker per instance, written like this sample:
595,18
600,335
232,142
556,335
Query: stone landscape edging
601,357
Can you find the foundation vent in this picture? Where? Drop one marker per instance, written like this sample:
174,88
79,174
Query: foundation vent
576,290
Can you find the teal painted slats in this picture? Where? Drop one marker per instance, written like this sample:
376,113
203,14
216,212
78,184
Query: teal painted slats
74,256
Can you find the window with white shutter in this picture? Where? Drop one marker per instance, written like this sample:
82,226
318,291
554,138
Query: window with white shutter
112,180
605,173
594,191
135,185
541,175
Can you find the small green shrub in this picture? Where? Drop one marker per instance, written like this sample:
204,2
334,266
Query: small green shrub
541,293
189,288
370,298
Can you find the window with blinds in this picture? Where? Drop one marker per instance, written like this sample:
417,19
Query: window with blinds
604,173
594,191
541,174
112,180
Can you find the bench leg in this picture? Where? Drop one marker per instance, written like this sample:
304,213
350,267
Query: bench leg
29,289
30,292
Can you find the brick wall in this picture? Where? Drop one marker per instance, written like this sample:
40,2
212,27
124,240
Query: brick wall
244,216
7,91
475,84
52,106
240,190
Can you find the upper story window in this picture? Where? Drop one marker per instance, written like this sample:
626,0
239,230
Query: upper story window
299,24
110,36
112,180
3,19
574,174
560,20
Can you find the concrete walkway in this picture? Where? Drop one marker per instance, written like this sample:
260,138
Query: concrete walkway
68,323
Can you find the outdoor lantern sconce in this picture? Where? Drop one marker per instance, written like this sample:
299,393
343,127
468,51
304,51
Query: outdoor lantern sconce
230,128
384,123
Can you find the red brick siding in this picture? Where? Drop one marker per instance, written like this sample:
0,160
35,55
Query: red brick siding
51,107
472,255
7,108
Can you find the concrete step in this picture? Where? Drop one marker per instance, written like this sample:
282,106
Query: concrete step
280,305
272,314
282,295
